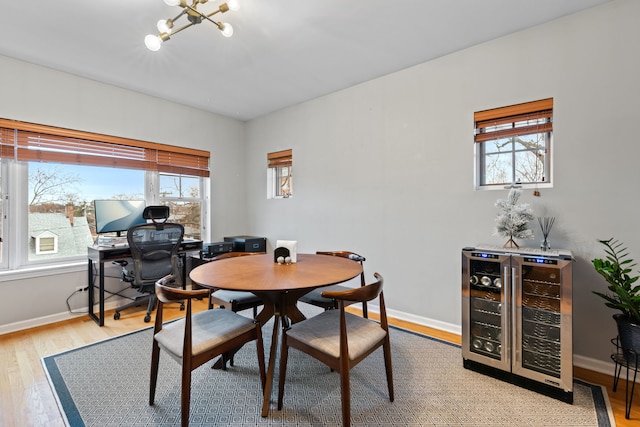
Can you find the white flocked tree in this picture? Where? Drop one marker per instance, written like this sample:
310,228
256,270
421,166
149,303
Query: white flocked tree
513,219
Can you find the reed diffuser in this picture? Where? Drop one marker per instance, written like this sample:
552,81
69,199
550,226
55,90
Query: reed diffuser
546,223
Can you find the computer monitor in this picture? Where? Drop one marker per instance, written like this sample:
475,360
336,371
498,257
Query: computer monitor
117,216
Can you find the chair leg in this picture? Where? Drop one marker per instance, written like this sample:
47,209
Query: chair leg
150,307
185,399
388,367
153,378
345,395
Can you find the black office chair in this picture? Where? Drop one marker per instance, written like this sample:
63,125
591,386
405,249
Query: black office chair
154,250
315,296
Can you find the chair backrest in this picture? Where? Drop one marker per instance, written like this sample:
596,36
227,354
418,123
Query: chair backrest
156,213
361,294
350,255
167,294
234,255
154,249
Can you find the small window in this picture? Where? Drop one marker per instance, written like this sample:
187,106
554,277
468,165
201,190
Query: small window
280,178
46,243
513,145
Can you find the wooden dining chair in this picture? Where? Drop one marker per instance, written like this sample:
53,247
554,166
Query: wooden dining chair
197,338
341,340
235,300
315,296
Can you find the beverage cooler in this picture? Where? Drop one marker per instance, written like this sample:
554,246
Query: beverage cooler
516,317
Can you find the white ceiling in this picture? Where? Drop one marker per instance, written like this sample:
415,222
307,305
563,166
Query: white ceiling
282,52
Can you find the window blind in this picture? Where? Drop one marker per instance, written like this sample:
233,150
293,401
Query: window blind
280,158
33,142
514,120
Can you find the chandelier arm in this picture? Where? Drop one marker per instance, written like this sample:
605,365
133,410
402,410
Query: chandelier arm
179,15
217,24
208,17
190,24
202,15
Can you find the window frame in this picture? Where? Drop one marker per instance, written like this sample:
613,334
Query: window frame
508,124
277,163
16,155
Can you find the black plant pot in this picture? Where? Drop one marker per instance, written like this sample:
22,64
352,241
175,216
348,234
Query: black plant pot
629,334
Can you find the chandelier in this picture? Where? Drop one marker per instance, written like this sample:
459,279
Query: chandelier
194,16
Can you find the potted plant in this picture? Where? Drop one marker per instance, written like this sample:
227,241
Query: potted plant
624,294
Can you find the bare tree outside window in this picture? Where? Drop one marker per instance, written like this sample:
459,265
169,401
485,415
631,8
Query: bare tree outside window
52,186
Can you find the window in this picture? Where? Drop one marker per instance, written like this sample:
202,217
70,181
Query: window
183,195
280,178
50,177
513,145
46,243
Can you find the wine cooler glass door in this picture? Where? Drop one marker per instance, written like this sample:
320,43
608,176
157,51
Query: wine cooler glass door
543,321
486,309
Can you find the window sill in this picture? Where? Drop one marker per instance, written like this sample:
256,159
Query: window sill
508,186
43,270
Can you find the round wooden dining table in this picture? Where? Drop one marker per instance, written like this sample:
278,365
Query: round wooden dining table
278,285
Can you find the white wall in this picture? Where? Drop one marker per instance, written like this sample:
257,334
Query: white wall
385,168
35,94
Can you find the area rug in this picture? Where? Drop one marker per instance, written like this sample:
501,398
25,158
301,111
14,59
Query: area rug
107,384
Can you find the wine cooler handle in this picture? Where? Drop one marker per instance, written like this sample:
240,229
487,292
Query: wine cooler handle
515,355
507,289
506,313
512,297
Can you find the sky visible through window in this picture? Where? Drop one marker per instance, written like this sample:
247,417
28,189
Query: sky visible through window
88,183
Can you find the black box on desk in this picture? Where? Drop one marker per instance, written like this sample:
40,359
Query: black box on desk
248,243
209,250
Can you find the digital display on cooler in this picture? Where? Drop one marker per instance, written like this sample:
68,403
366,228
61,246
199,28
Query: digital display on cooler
541,260
484,255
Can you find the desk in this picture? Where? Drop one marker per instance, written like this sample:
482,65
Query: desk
98,255
278,285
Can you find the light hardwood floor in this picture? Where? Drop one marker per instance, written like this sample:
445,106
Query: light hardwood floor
27,400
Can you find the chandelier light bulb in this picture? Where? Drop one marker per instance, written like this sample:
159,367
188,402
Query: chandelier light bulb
172,2
152,42
227,29
233,4
164,27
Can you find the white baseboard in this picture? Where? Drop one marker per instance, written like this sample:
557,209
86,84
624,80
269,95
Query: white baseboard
593,364
53,318
424,321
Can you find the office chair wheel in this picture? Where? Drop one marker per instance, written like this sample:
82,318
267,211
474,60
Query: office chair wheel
116,315
147,318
